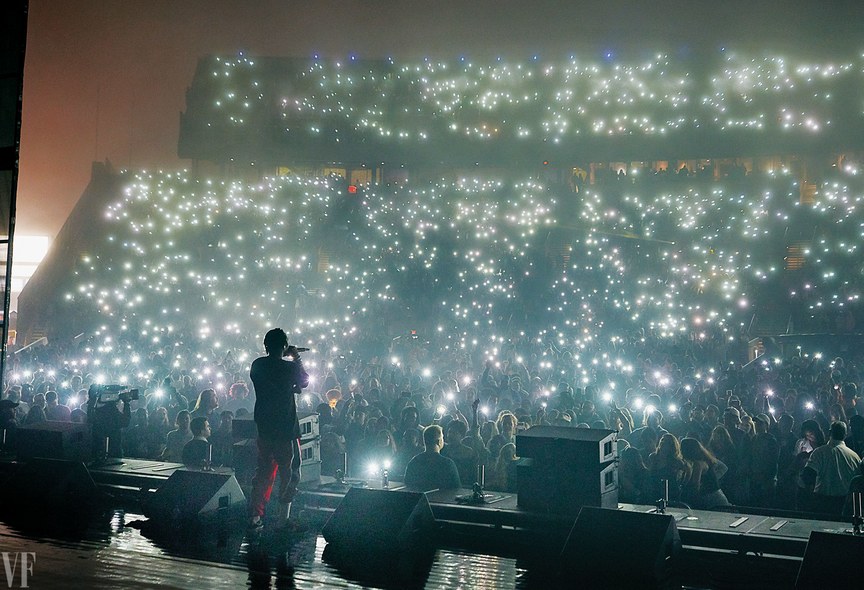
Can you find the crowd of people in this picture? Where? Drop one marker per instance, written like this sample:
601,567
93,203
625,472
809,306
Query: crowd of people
784,434
486,302
502,101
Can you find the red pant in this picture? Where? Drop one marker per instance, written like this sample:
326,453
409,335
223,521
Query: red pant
273,457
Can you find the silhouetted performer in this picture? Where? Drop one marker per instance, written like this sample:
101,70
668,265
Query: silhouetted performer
276,382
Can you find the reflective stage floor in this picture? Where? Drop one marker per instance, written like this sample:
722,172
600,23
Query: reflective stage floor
111,551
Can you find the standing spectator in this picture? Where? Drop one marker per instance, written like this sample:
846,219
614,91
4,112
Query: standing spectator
36,415
723,448
830,470
206,405
464,456
107,419
8,423
22,408
238,397
765,454
811,438
855,440
157,433
504,472
701,489
632,476
506,434
787,472
666,465
135,436
410,447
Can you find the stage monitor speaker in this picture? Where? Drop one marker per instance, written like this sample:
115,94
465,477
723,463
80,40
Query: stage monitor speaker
829,561
562,445
53,440
190,494
614,549
566,490
51,483
377,523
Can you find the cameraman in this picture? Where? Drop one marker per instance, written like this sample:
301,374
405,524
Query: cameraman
107,420
276,382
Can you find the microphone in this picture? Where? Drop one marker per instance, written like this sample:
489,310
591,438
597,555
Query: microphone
298,349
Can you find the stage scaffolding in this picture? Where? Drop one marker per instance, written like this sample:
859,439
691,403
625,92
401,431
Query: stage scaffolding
13,34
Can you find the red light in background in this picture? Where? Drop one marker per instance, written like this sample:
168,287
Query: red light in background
352,189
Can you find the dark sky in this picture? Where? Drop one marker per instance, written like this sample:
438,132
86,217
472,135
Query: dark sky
106,78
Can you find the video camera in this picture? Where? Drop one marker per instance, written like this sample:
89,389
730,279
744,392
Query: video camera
114,393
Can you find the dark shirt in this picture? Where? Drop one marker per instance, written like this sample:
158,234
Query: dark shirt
430,471
195,452
465,458
108,422
764,456
276,381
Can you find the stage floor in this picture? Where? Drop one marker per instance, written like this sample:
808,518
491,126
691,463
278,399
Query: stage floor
497,545
109,553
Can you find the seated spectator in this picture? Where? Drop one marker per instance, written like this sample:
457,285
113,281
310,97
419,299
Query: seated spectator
54,411
177,439
197,452
430,470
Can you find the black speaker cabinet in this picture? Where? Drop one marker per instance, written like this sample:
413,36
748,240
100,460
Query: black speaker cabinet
190,494
831,561
563,445
51,483
53,440
565,490
618,549
380,523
